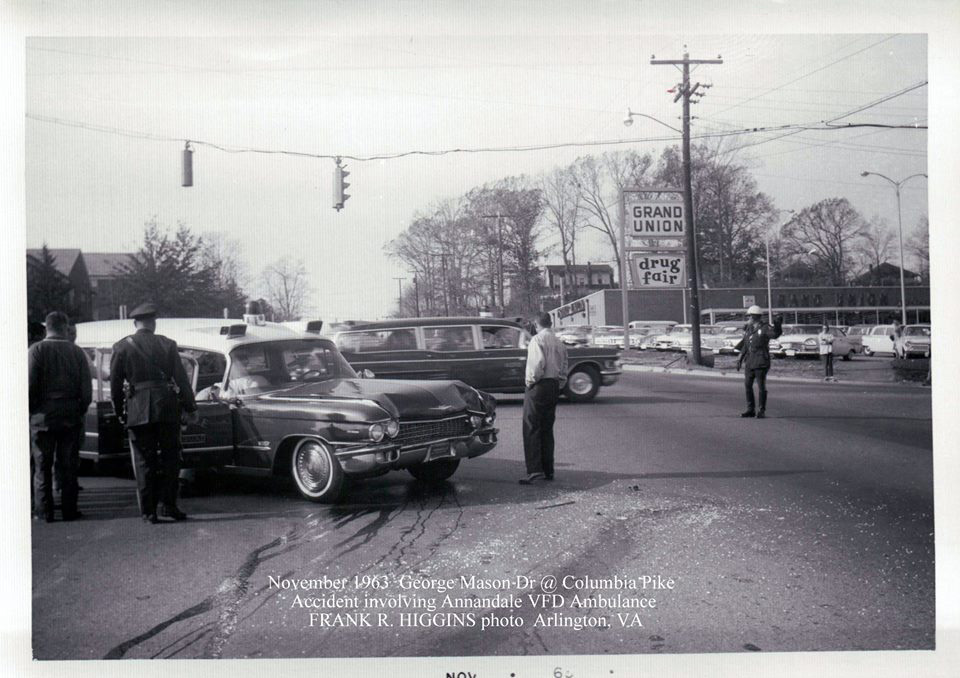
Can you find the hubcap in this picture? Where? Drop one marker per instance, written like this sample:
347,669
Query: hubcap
313,467
580,383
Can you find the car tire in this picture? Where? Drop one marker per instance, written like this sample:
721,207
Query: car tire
867,351
316,472
434,472
848,355
582,384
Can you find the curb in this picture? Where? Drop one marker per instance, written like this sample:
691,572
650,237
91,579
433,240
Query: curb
723,374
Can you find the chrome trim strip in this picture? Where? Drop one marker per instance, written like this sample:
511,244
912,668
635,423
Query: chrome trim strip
219,448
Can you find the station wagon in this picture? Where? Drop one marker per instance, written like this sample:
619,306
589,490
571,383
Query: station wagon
486,353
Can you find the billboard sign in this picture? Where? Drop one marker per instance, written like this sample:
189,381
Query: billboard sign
654,219
652,269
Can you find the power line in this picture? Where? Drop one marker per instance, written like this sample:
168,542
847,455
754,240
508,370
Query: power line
806,75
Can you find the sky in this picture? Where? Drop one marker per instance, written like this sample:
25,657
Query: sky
107,116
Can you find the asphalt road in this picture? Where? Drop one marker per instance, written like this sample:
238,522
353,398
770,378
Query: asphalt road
809,530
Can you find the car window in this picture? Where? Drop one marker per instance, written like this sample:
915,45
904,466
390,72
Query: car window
269,365
448,338
917,332
211,366
500,337
400,339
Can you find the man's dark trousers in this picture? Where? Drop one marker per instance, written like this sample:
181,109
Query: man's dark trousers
55,451
156,453
539,413
758,374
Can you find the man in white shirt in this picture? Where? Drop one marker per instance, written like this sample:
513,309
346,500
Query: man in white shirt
546,374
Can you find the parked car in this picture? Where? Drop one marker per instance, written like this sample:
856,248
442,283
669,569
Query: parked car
613,336
274,400
914,342
578,335
855,335
709,339
726,338
486,353
670,340
877,340
802,341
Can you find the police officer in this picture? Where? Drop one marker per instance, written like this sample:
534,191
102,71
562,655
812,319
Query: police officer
60,392
546,374
755,357
158,387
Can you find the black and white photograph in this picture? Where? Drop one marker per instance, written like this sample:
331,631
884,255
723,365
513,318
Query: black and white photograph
522,339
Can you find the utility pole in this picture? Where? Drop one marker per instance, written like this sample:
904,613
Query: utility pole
399,296
416,293
499,217
685,92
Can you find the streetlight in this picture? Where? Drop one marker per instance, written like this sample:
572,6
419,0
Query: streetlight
628,120
896,186
769,288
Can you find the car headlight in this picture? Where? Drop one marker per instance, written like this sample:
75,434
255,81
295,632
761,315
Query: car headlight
376,432
476,421
810,342
393,428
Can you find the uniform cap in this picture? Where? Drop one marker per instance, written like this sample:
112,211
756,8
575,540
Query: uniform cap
146,310
754,310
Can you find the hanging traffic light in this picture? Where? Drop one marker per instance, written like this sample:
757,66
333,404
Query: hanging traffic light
186,176
339,186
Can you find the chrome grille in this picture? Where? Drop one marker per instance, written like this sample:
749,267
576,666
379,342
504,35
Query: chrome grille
421,432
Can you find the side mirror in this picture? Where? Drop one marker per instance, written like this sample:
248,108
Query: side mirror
366,374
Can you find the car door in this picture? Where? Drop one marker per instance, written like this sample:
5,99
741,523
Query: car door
104,437
503,359
453,351
210,440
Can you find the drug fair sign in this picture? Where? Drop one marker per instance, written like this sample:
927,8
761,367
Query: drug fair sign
651,269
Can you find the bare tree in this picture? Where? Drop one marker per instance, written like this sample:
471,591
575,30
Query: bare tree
287,286
876,242
918,244
598,181
562,211
829,231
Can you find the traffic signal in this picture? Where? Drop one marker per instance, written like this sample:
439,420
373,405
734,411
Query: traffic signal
339,186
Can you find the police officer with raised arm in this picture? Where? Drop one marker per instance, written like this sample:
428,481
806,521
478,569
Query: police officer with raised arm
60,392
157,388
754,350
546,374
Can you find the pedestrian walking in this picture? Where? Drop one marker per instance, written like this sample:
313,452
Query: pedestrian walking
149,386
755,358
60,392
546,374
825,340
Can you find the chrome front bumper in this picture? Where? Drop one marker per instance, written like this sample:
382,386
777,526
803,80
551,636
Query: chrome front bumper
387,456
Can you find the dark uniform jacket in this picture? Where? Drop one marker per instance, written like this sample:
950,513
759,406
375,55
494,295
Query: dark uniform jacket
152,368
60,386
755,346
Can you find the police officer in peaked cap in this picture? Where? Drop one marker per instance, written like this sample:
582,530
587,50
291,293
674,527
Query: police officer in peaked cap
156,389
755,357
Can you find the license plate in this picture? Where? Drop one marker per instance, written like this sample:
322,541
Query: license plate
790,352
440,450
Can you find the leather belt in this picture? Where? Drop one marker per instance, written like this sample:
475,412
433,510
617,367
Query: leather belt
150,383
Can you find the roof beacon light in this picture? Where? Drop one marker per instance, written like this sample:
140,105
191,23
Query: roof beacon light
233,331
253,315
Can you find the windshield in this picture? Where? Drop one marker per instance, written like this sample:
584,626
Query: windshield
269,365
917,332
802,329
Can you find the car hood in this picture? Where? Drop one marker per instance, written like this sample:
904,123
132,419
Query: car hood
404,399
